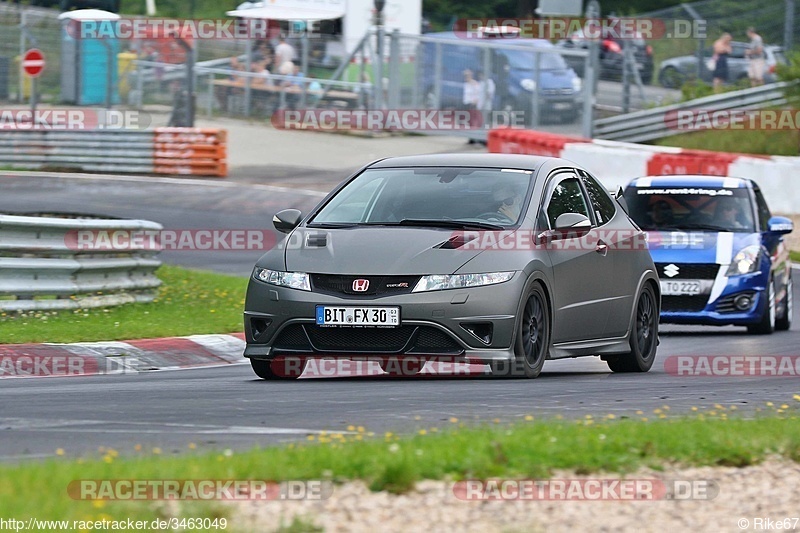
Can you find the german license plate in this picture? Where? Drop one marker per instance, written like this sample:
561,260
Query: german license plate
358,316
561,106
680,288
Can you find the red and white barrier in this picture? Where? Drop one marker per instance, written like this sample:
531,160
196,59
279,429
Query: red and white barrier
617,163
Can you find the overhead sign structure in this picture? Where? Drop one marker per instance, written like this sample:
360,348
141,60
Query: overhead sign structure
33,62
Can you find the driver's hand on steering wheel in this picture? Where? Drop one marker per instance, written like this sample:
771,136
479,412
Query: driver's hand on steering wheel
511,207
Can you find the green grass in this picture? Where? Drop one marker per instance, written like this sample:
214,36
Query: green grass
773,142
189,302
528,449
795,256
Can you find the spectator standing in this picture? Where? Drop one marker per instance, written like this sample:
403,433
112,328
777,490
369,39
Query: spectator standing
472,91
722,49
284,52
755,54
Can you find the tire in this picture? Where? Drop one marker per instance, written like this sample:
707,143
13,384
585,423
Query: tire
643,338
784,322
671,78
266,369
767,323
532,342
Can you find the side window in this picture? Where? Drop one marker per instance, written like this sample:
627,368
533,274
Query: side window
603,206
763,211
567,197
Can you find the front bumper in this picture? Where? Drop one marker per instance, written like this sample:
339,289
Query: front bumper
721,312
274,315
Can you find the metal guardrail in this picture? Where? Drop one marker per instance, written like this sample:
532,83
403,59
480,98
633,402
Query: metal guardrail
174,151
659,122
42,265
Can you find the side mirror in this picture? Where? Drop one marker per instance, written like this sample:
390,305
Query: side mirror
568,226
780,225
573,221
288,219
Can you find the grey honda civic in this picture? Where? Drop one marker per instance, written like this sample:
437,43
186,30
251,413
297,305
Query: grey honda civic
505,260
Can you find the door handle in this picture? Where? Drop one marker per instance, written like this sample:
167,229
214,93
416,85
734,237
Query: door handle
602,248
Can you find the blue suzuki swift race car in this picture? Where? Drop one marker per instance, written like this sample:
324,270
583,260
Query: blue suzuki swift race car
719,252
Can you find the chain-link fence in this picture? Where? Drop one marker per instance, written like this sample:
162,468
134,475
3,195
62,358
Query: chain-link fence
23,30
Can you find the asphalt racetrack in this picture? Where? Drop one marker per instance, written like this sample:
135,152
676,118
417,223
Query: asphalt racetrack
229,408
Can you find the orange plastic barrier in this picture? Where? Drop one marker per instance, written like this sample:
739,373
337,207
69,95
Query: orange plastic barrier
516,141
190,151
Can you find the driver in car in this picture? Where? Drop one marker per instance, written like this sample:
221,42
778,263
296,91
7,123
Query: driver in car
510,202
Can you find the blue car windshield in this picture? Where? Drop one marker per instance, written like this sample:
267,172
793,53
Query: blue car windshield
517,59
447,195
691,208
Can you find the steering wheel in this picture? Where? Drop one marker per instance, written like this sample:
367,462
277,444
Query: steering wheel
494,216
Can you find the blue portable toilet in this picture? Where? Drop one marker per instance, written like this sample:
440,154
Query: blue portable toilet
85,63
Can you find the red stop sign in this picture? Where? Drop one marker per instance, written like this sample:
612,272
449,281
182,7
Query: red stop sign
33,62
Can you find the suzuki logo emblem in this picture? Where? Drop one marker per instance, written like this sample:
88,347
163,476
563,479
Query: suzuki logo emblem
360,285
671,270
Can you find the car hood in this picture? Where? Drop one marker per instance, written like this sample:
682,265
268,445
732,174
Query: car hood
376,251
697,246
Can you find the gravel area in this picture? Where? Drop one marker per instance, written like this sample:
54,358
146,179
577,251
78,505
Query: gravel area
769,490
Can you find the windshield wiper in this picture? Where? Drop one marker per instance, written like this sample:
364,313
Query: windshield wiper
439,223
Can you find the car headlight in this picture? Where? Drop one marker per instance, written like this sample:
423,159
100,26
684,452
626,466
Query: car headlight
577,84
528,84
746,261
293,280
438,282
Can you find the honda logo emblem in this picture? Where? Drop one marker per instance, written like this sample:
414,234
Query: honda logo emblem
360,285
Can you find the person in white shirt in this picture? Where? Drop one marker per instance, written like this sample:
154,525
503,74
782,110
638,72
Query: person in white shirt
284,52
472,91
755,54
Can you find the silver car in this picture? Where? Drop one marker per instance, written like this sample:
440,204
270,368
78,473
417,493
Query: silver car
675,71
506,260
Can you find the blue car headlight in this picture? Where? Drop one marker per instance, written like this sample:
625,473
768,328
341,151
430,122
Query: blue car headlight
439,282
293,280
746,261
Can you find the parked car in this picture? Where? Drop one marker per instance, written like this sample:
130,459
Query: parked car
719,252
401,261
612,56
512,70
675,71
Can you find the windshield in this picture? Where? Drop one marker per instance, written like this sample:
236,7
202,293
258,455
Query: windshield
691,208
520,60
436,197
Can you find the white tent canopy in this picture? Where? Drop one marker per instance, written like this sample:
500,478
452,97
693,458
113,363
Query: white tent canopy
290,10
88,14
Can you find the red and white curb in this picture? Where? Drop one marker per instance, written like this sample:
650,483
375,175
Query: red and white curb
617,163
116,357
